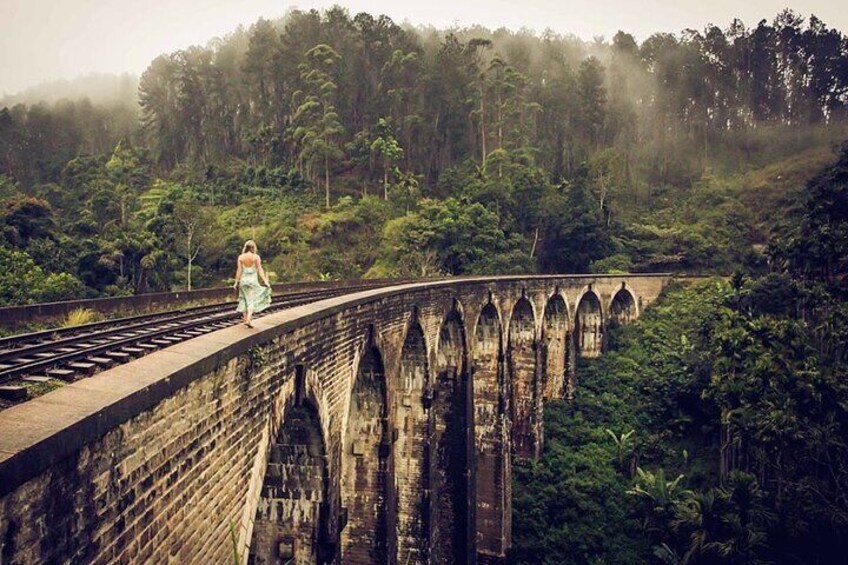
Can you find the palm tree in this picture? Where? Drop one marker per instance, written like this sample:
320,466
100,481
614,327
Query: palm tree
725,524
662,495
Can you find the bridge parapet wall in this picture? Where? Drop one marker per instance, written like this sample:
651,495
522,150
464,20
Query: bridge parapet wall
13,318
156,460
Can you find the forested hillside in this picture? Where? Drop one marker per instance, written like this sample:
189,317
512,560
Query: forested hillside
715,428
350,146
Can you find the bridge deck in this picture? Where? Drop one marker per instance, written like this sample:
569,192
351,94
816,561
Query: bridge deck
136,429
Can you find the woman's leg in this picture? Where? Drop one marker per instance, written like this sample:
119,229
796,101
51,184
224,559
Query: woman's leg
248,315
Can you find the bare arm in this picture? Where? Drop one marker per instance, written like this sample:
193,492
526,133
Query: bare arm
261,271
238,274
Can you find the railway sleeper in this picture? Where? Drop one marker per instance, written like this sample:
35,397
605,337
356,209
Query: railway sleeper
104,362
83,367
120,356
23,361
63,374
13,392
36,379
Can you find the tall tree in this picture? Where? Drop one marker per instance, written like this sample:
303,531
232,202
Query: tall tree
316,123
387,147
592,97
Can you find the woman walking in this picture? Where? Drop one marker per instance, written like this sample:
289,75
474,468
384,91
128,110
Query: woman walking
253,297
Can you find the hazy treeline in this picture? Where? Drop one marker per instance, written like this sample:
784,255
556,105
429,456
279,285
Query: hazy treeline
351,147
665,106
451,96
98,88
45,126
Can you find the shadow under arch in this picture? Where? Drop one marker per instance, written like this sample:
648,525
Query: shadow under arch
292,516
493,475
411,459
452,437
623,309
525,389
557,349
589,325
368,536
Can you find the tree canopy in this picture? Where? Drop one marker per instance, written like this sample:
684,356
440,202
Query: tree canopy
494,151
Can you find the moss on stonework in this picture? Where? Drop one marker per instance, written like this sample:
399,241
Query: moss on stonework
257,357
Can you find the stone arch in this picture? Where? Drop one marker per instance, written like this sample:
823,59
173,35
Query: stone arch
623,307
411,449
451,538
493,475
292,518
521,360
555,348
366,466
588,325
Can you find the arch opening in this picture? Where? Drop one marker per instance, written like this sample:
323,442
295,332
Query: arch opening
555,350
411,450
290,525
526,424
452,440
366,466
493,476
623,309
589,326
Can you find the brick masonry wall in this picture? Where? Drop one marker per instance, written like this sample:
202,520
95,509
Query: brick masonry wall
555,341
289,525
523,380
157,460
451,448
411,450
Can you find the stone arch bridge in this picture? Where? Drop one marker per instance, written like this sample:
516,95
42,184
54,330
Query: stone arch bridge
375,427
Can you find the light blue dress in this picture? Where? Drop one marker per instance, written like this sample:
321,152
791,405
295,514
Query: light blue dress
252,295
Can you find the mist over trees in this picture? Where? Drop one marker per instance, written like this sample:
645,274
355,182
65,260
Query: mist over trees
98,88
665,107
45,126
540,152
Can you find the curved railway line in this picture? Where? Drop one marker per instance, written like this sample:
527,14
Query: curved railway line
67,354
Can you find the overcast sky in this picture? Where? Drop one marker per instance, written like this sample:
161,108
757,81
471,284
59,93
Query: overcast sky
44,40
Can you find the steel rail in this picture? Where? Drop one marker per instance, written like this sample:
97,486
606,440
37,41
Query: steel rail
14,342
116,345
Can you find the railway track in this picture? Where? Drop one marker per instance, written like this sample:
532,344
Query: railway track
68,354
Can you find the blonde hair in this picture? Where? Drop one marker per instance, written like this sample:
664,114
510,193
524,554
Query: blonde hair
249,245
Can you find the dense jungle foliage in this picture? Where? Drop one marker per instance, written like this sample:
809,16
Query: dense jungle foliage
350,146
715,429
